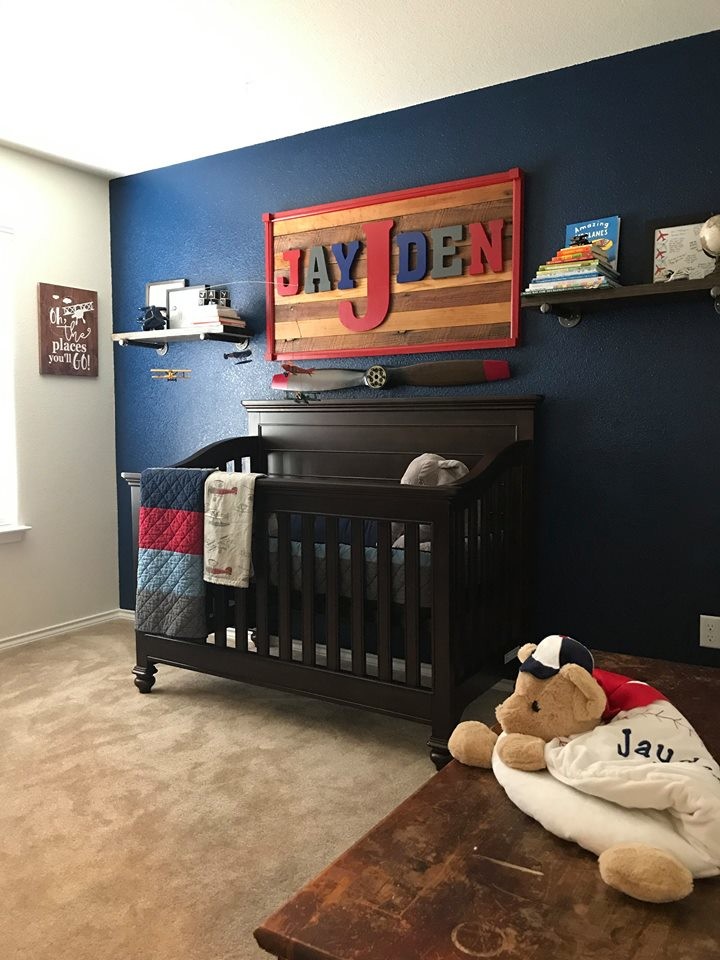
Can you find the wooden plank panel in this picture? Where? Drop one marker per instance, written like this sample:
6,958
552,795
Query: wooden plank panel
332,595
412,605
482,314
284,586
407,339
308,589
492,290
359,274
393,208
400,342
440,206
357,575
426,221
384,600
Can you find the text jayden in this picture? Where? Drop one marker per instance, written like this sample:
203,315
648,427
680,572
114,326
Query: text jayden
416,251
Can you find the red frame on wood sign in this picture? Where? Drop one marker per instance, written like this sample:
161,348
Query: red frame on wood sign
317,291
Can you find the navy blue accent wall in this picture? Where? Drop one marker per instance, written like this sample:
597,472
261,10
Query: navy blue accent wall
629,436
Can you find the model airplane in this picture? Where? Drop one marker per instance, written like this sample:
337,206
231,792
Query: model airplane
170,375
438,373
240,356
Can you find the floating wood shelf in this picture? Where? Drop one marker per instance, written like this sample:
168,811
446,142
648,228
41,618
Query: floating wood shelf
159,339
569,305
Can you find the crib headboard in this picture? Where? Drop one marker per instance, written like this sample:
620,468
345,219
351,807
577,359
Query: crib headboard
377,438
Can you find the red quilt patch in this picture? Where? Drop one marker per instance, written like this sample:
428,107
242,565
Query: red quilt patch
180,531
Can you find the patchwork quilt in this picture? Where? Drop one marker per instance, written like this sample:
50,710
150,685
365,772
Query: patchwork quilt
170,587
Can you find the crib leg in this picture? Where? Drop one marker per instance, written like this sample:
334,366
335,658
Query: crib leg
145,676
439,753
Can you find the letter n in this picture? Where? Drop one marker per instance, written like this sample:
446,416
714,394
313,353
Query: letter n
491,247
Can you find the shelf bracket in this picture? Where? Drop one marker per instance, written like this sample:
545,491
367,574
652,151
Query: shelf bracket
160,348
243,342
565,317
715,294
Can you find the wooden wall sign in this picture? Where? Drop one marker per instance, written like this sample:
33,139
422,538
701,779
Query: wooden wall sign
427,269
67,331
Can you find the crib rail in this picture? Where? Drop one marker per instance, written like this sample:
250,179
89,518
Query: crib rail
314,603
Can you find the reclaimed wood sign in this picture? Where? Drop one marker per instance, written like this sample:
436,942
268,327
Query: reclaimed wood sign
428,269
67,331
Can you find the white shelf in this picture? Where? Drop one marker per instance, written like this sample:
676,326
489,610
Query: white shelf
159,339
180,334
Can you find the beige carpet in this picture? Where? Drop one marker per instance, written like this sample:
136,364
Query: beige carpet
166,827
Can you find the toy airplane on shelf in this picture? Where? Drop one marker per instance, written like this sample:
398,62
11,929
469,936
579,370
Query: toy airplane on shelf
170,375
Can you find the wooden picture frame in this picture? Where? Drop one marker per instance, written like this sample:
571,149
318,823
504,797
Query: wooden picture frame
433,268
180,302
660,223
156,292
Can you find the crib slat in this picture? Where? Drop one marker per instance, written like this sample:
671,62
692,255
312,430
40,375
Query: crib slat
495,579
261,564
308,589
384,600
473,571
284,586
462,582
219,601
332,578
412,605
357,574
485,568
241,621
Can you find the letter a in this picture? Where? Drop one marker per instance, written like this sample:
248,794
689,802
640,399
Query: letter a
377,233
317,270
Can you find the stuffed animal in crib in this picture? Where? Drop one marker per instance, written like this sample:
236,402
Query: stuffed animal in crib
607,762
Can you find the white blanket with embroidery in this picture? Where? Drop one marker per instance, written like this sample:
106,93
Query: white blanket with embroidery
645,776
228,528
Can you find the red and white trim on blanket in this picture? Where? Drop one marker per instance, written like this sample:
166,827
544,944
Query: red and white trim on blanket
623,693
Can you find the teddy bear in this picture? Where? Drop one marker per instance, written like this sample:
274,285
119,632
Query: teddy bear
607,762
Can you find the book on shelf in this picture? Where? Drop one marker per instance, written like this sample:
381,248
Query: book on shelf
602,232
580,255
545,281
224,321
592,264
580,283
208,310
591,269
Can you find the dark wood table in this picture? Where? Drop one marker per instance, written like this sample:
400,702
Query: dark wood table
457,871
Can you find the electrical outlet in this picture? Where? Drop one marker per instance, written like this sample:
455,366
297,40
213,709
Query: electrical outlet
710,632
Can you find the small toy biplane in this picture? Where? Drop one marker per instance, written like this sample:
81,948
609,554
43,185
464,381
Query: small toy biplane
170,375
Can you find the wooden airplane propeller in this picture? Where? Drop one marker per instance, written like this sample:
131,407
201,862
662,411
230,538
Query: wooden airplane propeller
438,373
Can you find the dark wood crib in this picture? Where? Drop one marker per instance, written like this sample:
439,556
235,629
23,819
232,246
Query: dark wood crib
339,608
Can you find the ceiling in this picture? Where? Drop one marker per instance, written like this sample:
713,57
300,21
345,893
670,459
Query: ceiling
162,81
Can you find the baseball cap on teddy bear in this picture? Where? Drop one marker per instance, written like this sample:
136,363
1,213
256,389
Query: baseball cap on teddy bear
428,470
